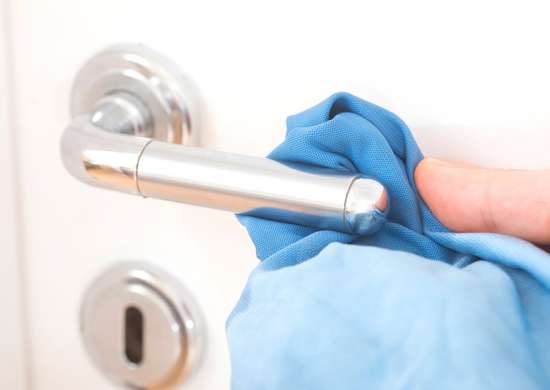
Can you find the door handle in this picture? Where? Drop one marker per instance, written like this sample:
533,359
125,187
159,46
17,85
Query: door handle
133,127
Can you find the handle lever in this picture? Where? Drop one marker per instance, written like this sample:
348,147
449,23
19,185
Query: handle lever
132,127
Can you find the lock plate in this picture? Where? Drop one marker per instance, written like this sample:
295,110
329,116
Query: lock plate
138,71
141,327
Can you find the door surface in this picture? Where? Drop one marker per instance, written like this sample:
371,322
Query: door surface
470,78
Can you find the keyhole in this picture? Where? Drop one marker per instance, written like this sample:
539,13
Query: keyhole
133,334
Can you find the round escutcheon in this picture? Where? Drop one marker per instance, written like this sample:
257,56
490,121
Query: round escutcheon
141,327
138,71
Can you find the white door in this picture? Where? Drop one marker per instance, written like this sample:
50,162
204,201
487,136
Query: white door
470,78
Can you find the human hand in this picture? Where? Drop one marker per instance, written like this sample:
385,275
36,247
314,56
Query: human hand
467,198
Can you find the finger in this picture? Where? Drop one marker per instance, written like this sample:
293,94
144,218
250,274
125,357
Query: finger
467,198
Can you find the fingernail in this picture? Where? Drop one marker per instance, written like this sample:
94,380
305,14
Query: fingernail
448,163
439,162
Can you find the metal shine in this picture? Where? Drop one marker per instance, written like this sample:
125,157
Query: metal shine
135,119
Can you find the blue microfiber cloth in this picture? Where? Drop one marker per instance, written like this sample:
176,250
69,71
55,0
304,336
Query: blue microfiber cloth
414,306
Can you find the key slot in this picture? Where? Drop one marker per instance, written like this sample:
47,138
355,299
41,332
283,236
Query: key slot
133,334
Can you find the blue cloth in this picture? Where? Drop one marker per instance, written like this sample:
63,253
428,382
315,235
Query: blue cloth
413,306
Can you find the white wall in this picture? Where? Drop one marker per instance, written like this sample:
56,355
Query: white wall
12,351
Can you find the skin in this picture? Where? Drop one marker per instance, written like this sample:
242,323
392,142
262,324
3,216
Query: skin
467,198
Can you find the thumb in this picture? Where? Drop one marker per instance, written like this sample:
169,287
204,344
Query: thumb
466,198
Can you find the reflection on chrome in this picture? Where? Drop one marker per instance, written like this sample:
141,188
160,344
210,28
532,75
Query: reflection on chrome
241,184
132,109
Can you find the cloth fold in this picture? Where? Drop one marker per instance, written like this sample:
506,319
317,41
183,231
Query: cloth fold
411,306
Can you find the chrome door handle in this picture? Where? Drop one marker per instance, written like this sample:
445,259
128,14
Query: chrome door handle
133,124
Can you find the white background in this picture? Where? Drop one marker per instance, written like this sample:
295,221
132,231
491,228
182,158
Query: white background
12,321
471,78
